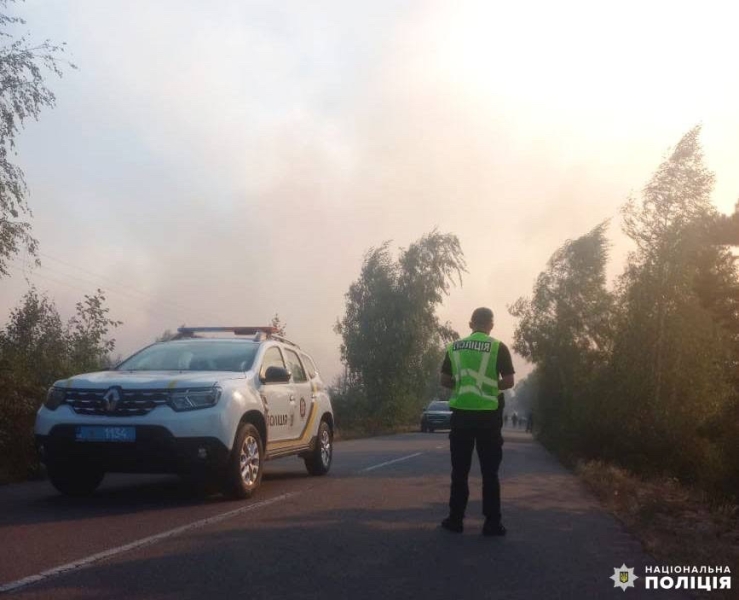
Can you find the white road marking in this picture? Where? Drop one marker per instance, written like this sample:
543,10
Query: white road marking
390,462
440,447
83,562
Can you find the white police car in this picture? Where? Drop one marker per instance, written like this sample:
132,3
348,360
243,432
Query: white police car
203,407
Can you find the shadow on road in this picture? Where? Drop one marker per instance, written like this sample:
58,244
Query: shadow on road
369,535
358,553
120,495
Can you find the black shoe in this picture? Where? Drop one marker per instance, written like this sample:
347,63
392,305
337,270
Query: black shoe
453,525
493,528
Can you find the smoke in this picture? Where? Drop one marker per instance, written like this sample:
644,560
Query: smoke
221,165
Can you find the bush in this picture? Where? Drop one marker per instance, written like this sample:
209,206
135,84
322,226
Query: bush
36,349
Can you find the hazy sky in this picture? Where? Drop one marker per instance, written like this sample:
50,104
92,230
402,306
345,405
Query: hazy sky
217,162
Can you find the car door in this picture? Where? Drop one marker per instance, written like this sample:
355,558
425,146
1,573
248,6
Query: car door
278,398
303,394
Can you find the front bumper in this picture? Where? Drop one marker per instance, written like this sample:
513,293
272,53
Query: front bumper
219,422
155,450
437,422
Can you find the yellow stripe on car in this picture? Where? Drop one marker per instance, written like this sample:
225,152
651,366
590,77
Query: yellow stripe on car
303,439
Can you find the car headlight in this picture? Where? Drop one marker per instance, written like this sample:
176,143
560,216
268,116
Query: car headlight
54,397
194,399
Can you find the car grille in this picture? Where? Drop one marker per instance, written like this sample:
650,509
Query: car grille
133,403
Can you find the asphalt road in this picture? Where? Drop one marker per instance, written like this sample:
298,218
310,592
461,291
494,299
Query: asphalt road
367,530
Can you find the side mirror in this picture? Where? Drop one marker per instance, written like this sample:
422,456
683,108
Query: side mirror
276,375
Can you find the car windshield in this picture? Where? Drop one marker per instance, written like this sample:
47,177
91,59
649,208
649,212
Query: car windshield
439,405
193,356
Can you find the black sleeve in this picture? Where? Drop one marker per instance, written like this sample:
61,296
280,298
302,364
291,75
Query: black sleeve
446,366
505,363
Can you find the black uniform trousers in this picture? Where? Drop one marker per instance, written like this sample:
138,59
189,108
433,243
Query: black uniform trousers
471,429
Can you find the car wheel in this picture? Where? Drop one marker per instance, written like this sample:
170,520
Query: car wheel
423,428
74,479
318,462
244,473
431,429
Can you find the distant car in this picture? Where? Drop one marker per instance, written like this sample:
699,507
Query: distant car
208,408
437,415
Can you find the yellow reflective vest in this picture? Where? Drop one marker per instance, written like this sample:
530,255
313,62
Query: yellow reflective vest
475,371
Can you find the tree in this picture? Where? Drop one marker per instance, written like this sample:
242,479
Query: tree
646,376
87,331
23,94
392,341
166,335
665,226
36,349
570,304
678,334
565,330
725,230
278,325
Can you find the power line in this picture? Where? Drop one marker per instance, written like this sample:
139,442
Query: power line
158,313
115,283
114,290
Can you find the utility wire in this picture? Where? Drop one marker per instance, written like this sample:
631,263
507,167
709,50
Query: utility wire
117,290
113,282
159,313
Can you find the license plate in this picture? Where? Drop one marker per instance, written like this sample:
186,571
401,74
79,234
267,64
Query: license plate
96,433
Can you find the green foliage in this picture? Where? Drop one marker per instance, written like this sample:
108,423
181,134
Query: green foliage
647,376
279,325
23,94
725,229
392,342
166,335
565,329
570,309
37,348
670,337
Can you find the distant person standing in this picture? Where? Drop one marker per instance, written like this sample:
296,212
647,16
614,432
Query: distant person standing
477,368
514,419
530,422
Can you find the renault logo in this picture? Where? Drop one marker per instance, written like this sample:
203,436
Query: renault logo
111,398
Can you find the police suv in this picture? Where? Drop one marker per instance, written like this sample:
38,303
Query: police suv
209,408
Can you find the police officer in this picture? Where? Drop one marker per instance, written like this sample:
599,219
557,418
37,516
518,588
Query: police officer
477,368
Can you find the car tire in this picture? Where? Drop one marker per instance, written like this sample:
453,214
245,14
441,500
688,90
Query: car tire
245,466
74,479
318,462
431,429
423,428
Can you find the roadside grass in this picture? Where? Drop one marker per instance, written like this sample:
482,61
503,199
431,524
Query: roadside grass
677,525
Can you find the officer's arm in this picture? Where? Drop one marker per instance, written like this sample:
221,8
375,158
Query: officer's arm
506,382
505,368
446,379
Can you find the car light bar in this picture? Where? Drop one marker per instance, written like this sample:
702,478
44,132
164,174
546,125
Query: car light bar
235,330
259,332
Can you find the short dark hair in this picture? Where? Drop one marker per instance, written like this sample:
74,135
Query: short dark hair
482,315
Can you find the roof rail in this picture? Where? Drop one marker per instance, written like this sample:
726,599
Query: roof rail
279,338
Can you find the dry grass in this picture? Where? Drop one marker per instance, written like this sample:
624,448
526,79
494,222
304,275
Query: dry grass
677,525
